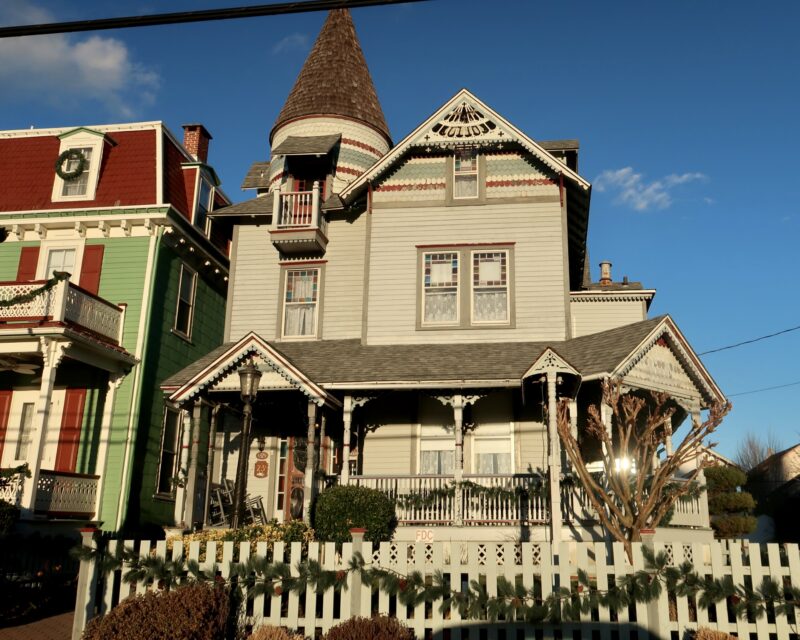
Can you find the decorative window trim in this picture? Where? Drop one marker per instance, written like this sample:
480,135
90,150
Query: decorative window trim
465,288
504,287
81,139
44,253
287,268
425,287
450,174
176,453
179,331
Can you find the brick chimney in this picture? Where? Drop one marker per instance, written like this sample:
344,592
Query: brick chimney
605,273
195,139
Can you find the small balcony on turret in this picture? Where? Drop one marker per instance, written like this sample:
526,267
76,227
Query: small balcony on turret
299,226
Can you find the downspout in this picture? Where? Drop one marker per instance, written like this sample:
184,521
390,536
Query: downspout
136,392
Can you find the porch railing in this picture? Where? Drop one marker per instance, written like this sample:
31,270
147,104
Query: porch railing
63,302
300,210
12,492
59,493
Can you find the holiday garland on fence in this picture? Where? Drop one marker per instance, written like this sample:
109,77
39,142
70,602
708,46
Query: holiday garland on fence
68,156
24,298
513,601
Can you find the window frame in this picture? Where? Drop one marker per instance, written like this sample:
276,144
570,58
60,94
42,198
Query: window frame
488,434
58,245
434,437
465,301
319,267
192,305
424,289
476,172
201,180
176,453
505,287
84,139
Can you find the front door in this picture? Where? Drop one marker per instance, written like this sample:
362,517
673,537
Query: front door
290,481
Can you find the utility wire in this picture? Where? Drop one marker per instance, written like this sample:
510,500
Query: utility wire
739,344
780,386
228,13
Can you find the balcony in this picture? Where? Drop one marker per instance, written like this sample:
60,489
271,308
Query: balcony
59,494
63,304
299,226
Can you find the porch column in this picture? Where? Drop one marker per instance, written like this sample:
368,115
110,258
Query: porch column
114,381
458,471
52,353
308,478
573,430
605,416
668,439
348,434
705,519
191,476
180,492
212,450
554,462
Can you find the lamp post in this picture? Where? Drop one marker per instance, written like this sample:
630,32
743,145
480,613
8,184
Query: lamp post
249,375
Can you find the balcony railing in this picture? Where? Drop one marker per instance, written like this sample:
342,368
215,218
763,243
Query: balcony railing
12,492
300,225
62,494
65,302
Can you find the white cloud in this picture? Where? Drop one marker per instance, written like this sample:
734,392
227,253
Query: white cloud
70,71
294,41
632,190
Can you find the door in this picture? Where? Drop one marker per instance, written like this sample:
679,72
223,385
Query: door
290,481
19,428
69,436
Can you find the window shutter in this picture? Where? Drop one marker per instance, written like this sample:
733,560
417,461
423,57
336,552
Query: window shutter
5,406
70,435
28,259
91,267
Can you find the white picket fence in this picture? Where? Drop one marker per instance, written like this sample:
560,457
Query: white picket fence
529,563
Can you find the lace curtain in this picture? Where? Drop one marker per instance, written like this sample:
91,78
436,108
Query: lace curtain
491,306
301,305
437,463
441,288
494,463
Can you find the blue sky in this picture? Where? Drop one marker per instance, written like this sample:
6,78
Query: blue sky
686,113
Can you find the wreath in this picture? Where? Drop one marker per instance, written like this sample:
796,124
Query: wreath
68,155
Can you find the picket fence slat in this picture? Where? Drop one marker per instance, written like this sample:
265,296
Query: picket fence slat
529,563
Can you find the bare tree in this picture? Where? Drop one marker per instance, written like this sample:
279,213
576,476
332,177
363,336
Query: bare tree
640,494
753,450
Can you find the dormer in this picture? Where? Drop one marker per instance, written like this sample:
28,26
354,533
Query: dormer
78,164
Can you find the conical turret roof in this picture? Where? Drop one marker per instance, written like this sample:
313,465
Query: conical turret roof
335,79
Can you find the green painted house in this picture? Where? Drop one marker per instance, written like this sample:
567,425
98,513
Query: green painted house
112,278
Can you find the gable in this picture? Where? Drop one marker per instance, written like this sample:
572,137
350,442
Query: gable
660,369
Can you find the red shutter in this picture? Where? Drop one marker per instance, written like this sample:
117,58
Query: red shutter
91,267
5,406
70,435
28,259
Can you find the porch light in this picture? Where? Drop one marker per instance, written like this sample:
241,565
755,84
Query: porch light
249,376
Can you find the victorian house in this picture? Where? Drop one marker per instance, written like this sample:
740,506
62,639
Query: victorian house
417,309
108,254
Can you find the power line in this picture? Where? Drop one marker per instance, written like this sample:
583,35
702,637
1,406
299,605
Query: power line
229,13
780,386
739,344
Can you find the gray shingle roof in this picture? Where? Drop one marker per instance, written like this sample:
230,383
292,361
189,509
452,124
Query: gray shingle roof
257,176
260,206
307,145
348,361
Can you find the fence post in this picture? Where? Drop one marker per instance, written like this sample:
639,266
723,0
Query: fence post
87,585
355,578
653,610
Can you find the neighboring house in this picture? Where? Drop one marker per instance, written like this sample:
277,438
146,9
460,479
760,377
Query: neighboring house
120,211
417,310
775,485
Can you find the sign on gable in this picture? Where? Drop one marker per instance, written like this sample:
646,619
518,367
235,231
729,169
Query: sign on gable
660,370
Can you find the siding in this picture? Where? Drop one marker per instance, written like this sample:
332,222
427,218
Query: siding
592,317
343,288
538,279
9,259
389,450
256,283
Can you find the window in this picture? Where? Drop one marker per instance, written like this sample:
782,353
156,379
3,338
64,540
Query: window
25,431
465,174
79,185
185,311
437,450
493,456
440,288
465,286
300,303
205,203
490,287
168,465
83,187
60,260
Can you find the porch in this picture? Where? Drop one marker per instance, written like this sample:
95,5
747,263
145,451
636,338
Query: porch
58,494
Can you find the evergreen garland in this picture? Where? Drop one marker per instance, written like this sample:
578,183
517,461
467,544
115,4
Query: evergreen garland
24,298
432,497
71,154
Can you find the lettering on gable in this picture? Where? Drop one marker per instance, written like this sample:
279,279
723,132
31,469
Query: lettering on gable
660,370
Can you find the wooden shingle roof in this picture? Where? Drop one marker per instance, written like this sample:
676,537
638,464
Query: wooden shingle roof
335,79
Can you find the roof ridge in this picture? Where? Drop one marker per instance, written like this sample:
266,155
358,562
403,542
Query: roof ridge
335,79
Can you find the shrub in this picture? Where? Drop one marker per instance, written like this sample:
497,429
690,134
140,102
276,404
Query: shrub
377,628
268,632
9,514
724,478
730,509
339,509
272,532
732,526
731,502
194,612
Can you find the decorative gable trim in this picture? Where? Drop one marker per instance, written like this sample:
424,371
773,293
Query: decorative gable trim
249,345
668,334
549,360
464,119
84,130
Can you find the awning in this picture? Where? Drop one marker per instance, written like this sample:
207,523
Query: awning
307,145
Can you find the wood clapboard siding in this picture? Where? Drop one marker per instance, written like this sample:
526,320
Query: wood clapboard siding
592,317
343,286
9,258
538,280
256,283
531,440
389,449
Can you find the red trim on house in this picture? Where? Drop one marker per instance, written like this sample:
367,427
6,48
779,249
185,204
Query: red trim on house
5,408
362,145
69,436
354,172
466,244
28,260
91,268
423,186
174,186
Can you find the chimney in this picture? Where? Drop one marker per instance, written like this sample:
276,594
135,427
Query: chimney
605,273
195,140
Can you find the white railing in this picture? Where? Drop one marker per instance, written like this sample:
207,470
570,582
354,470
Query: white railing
300,210
485,500
12,492
59,492
63,302
532,565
